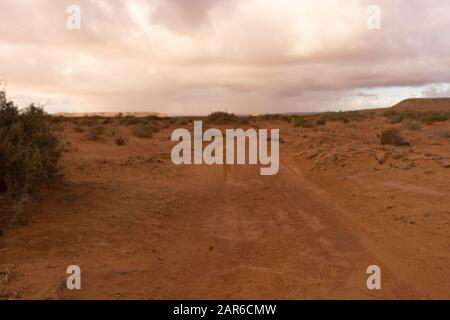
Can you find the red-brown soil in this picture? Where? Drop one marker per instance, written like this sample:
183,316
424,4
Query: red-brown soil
141,227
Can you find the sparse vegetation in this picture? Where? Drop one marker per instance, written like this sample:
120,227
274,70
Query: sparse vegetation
88,122
393,137
29,154
344,116
143,131
131,121
303,122
95,133
423,116
275,117
107,121
444,134
321,122
222,118
412,125
79,129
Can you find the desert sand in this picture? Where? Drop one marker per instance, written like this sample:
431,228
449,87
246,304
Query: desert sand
142,228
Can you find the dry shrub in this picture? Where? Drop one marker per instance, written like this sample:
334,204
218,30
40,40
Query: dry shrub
412,125
393,137
79,129
88,121
303,122
29,154
321,122
120,141
443,134
423,116
222,118
95,133
143,131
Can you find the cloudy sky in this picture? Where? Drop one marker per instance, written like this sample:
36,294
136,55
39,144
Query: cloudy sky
243,56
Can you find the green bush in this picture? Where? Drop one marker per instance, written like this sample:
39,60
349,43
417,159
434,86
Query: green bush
29,152
393,137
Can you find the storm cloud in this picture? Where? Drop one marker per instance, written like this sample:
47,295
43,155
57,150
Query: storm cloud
245,56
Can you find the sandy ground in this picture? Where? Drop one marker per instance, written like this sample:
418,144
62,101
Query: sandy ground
140,227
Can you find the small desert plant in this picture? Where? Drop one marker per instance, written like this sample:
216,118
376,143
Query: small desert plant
29,153
269,117
393,116
321,122
79,129
393,137
443,134
95,133
435,116
412,125
303,122
143,131
107,121
131,121
344,116
243,121
423,116
88,121
120,141
57,119
222,118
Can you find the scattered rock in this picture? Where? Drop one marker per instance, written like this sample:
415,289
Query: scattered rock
381,157
445,164
14,294
312,154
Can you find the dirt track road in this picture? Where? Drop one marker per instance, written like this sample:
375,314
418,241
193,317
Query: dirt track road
202,232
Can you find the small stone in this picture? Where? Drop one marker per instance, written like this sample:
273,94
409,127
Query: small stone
445,165
13,295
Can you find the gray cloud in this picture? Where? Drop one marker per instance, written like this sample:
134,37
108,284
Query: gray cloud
193,56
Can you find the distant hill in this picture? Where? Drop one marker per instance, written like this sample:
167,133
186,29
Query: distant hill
108,114
437,104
